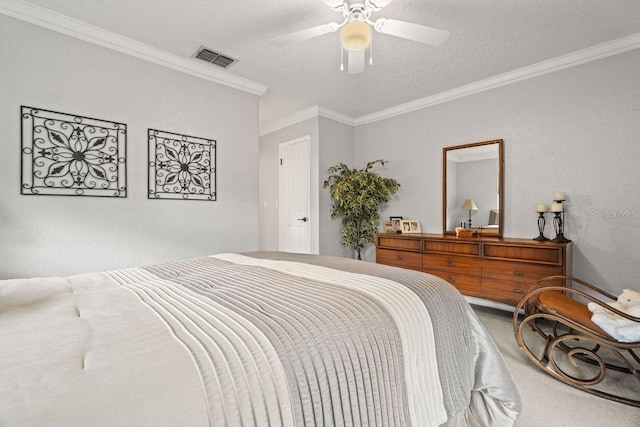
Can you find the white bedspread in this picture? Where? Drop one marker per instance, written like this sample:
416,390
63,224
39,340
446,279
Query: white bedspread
238,340
79,351
411,318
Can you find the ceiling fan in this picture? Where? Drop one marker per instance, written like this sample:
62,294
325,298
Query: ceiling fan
355,30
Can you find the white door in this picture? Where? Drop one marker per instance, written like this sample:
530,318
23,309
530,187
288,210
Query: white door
294,177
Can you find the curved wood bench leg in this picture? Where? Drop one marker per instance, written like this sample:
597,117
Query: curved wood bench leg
584,355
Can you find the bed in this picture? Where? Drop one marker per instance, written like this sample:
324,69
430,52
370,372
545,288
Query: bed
253,339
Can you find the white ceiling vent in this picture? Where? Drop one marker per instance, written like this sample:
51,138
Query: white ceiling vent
215,58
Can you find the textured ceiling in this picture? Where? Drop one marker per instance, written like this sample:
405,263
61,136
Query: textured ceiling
488,38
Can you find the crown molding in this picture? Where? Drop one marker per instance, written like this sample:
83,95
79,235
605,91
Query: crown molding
89,33
80,30
309,113
298,117
594,53
338,117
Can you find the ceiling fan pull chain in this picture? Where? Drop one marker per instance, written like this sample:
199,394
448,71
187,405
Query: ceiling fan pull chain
341,58
371,52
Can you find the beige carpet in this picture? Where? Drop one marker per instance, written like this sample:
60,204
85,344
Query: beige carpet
548,402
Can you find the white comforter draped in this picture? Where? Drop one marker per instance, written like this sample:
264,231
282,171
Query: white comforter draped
238,340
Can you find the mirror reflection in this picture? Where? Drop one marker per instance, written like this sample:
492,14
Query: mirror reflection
472,187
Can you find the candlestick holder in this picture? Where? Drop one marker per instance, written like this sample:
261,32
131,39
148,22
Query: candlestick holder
558,225
541,223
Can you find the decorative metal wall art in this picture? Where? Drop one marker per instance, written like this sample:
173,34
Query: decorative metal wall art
71,155
181,166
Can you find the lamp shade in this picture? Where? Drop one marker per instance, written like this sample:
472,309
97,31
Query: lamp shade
469,205
355,35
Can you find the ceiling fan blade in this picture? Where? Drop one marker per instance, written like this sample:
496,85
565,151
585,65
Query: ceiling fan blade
415,32
379,4
303,35
356,61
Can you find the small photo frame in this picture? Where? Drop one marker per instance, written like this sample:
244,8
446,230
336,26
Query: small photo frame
387,226
409,226
395,222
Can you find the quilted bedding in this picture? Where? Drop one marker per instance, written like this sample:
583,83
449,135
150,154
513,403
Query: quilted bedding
260,339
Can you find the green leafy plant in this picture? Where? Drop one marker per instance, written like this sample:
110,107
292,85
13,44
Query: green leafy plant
357,197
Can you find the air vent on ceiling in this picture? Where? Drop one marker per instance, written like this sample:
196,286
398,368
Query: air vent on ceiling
215,58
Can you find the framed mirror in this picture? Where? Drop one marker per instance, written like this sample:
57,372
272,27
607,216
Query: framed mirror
472,187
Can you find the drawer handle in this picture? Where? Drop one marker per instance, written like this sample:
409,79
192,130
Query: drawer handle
518,291
399,258
518,273
451,264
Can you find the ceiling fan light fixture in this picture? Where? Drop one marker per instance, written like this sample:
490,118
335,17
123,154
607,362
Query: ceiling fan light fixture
355,31
355,35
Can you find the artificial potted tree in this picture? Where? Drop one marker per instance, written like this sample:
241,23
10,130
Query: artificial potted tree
357,197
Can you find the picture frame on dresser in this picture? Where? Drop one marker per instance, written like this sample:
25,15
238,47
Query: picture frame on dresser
410,226
395,222
387,226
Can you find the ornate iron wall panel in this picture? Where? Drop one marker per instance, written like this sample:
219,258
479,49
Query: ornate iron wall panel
181,166
70,155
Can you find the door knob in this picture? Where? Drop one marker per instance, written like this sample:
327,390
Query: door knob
303,219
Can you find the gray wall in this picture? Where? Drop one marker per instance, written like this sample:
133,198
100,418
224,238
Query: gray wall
571,131
269,164
336,145
331,143
54,235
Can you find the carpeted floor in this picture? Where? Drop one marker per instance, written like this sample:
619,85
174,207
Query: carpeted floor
548,402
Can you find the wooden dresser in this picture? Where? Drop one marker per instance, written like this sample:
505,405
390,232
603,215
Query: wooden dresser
493,268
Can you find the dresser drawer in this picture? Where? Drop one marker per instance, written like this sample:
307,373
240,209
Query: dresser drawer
451,263
518,271
394,242
458,248
467,285
536,254
493,268
505,291
412,260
